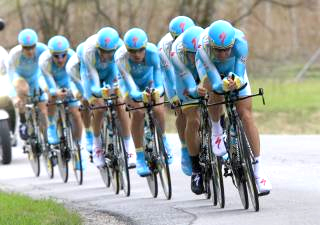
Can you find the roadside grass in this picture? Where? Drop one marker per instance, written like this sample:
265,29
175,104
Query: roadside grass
16,209
291,107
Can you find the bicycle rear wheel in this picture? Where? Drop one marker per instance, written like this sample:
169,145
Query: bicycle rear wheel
245,151
63,163
115,181
163,165
105,174
77,163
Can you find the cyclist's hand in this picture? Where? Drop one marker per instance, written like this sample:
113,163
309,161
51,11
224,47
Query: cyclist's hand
18,102
105,92
117,91
156,95
62,93
78,95
201,91
145,96
175,101
231,82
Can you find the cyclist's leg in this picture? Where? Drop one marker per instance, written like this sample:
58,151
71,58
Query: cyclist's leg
77,129
126,133
86,120
137,130
159,112
22,89
193,142
98,157
215,112
52,122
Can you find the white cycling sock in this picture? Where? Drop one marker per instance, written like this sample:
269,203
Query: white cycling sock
129,144
257,166
216,128
97,141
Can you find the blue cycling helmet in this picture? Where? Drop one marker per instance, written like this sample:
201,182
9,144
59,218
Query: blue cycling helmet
27,37
58,44
179,24
221,34
191,37
135,38
107,39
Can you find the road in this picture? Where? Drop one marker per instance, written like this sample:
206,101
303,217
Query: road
292,162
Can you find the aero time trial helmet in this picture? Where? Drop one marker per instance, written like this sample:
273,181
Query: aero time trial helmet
221,34
135,38
107,39
179,24
58,44
190,38
27,37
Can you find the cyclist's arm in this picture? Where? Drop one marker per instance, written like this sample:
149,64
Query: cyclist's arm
73,69
3,61
13,61
185,75
207,69
45,66
123,66
157,75
241,53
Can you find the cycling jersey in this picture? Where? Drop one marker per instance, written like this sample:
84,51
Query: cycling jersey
73,69
139,76
22,67
3,61
95,72
164,47
215,69
187,76
56,77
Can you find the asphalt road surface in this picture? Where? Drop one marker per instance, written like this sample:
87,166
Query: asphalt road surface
292,163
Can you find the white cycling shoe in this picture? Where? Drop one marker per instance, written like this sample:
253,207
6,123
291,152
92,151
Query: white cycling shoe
218,147
263,184
98,156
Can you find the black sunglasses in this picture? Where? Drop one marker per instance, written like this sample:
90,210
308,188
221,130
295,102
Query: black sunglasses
59,56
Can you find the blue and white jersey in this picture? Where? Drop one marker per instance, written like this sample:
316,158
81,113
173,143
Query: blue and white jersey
24,67
215,69
56,77
139,76
186,73
164,46
95,72
73,69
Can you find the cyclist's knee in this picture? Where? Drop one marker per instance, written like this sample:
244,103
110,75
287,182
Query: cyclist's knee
138,114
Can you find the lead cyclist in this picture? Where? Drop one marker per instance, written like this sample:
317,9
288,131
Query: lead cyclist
221,62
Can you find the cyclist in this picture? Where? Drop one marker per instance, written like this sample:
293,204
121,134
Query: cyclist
26,76
53,66
139,64
176,27
221,56
100,80
73,68
183,59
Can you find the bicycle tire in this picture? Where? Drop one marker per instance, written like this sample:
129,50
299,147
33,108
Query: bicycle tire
77,163
163,165
247,168
62,151
115,181
34,159
48,164
105,175
153,184
123,164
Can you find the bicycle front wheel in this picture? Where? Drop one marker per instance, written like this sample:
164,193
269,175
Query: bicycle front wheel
247,157
123,166
33,157
153,184
163,165
77,163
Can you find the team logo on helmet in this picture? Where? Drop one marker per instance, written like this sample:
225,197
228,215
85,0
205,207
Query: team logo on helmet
194,42
28,38
222,37
135,40
182,25
59,44
107,40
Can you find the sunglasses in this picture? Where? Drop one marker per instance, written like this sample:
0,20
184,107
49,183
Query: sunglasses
28,48
59,56
103,51
136,50
222,49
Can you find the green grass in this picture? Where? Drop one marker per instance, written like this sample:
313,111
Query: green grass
16,209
